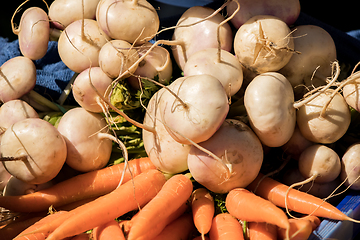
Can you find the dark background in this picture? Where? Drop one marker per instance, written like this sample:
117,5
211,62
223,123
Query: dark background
342,15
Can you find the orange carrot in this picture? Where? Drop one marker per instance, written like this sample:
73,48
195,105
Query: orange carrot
297,201
203,209
86,185
262,231
225,227
175,192
179,229
314,220
11,230
300,229
127,197
110,230
246,206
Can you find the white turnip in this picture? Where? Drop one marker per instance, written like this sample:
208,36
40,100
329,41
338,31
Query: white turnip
80,43
17,77
16,187
88,85
33,150
157,63
90,148
240,152
128,20
350,163
296,144
314,63
194,32
116,57
222,65
64,12
319,163
269,100
351,91
287,10
33,33
164,152
191,113
325,119
4,177
263,44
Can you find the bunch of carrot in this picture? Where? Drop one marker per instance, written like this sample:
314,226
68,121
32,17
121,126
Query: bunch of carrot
161,208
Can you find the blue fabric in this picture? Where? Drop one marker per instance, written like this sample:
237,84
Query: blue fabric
52,74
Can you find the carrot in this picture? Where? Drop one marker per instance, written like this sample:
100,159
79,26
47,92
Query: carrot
225,227
314,220
175,192
110,230
11,230
262,231
179,229
127,197
201,238
86,185
203,209
297,201
31,233
300,229
246,206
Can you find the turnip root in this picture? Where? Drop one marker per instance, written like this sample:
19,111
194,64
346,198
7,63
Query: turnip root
325,119
287,11
85,94
17,77
350,171
33,33
80,43
194,33
269,100
190,112
164,152
139,20
64,12
117,56
321,190
319,163
226,68
4,177
314,63
156,63
33,150
240,151
90,148
16,187
264,44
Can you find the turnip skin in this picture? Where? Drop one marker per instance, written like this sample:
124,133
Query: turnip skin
87,150
237,143
164,152
296,144
351,93
350,164
317,49
34,33
320,160
202,115
192,37
141,12
80,53
16,187
16,81
269,100
64,12
228,70
40,143
4,177
117,56
84,93
157,63
287,10
327,128
264,44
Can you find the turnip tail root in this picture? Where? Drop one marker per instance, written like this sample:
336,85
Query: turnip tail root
15,29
